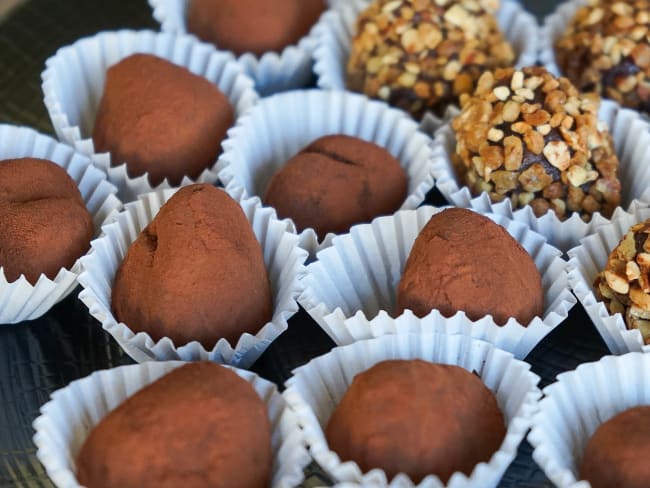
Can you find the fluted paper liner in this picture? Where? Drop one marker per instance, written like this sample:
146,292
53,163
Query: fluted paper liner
282,256
316,389
586,261
272,72
73,411
631,137
553,27
576,404
337,27
73,83
19,299
280,126
351,289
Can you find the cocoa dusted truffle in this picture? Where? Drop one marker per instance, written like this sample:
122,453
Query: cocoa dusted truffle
615,455
421,55
195,273
255,26
200,425
606,49
624,284
160,119
417,418
532,138
462,261
335,182
44,221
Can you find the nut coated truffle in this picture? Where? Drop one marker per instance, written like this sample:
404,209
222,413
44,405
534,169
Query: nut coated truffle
160,119
606,49
44,221
421,55
624,284
200,425
195,273
335,182
255,26
615,455
531,138
463,261
417,418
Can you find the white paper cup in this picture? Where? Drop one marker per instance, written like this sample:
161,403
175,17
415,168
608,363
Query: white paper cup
272,72
73,83
576,404
316,389
19,299
337,28
631,135
282,256
587,260
357,277
553,27
73,411
280,126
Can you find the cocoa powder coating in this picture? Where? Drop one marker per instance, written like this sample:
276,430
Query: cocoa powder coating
160,119
200,425
195,273
335,182
462,261
44,221
417,418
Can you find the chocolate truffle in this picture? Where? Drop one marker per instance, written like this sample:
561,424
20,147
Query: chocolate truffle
462,261
200,425
615,455
421,55
160,119
335,182
195,273
532,138
624,284
255,26
605,49
417,418
44,221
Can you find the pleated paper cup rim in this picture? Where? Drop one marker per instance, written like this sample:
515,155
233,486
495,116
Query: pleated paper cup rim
67,418
554,25
631,135
272,72
587,260
282,257
73,83
315,389
19,299
335,31
280,126
576,404
350,290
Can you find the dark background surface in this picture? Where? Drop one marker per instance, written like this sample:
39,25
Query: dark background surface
40,356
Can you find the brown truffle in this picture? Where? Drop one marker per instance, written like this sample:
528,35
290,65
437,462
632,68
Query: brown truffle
624,284
199,425
160,119
335,182
44,221
417,418
605,49
462,261
532,138
422,55
616,454
196,272
255,26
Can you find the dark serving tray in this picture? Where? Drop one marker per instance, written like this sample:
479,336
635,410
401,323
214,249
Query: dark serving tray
40,356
